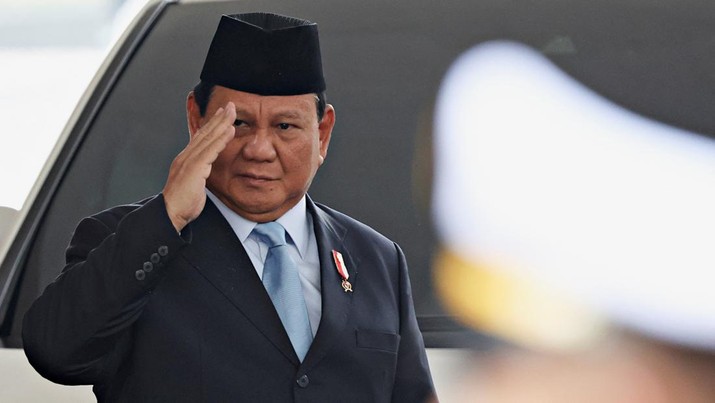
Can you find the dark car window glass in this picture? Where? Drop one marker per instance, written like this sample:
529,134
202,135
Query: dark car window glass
383,62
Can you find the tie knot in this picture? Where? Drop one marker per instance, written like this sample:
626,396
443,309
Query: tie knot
271,233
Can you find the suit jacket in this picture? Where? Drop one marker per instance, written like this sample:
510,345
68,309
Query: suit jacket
146,314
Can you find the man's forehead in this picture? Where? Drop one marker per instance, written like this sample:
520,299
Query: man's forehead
247,102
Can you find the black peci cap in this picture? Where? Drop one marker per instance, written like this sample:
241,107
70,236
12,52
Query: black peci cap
265,54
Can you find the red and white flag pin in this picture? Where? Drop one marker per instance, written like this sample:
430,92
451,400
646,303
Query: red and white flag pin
342,270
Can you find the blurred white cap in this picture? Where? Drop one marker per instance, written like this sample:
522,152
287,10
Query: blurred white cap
560,212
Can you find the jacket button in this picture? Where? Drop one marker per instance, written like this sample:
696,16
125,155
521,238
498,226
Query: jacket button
303,381
148,267
140,275
155,258
163,250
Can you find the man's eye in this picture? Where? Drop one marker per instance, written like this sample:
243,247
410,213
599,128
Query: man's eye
239,122
284,126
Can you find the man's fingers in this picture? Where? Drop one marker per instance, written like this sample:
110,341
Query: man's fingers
223,116
209,141
208,147
214,130
212,122
212,148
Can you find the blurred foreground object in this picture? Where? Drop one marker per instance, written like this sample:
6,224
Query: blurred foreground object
575,228
628,370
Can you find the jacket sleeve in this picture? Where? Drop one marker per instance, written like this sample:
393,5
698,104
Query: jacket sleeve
413,381
114,261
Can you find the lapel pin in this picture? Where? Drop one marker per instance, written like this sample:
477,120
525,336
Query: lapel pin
342,270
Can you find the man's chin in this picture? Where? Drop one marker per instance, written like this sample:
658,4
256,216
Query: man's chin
259,211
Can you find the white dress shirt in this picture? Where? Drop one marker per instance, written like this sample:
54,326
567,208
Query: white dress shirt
303,248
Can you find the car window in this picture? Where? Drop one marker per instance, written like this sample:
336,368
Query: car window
50,53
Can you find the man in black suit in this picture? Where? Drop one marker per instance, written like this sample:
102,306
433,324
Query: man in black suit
164,299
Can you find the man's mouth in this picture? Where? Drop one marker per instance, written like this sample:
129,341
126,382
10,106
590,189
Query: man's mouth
256,177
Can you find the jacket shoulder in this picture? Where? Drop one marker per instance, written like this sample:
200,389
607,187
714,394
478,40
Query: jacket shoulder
355,228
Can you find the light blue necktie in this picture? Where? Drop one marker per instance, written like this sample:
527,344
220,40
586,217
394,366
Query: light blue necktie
280,277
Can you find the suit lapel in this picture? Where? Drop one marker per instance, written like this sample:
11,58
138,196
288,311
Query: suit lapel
336,303
218,255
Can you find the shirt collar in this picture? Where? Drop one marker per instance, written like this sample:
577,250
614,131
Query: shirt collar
295,222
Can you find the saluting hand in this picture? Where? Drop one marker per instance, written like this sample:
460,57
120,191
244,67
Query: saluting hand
184,193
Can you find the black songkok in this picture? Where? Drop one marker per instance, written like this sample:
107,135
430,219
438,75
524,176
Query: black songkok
265,54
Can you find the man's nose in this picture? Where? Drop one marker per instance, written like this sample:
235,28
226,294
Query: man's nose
259,146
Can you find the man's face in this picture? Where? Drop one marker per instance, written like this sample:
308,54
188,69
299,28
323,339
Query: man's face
272,159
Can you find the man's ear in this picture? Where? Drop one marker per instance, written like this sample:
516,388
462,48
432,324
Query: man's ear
325,130
193,114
